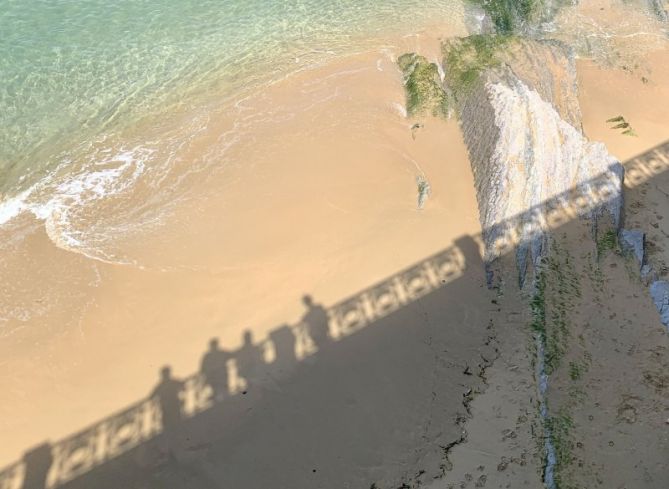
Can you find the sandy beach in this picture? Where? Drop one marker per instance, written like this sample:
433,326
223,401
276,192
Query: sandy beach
312,212
364,342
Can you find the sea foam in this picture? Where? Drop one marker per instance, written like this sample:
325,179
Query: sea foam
60,198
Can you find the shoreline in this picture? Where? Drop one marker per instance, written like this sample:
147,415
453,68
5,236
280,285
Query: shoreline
423,364
98,357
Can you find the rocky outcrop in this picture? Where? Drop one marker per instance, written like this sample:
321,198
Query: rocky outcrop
522,126
659,291
422,83
519,16
632,241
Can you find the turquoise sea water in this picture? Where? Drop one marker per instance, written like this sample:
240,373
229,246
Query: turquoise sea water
72,69
78,76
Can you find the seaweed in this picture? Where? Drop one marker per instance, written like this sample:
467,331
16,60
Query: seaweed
623,124
424,91
424,190
509,16
467,58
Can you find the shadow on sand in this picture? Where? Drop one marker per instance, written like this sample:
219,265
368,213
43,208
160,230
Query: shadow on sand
294,410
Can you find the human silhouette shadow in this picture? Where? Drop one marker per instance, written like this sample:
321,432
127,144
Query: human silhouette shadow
336,422
284,342
250,362
168,395
214,369
315,421
470,252
37,462
315,321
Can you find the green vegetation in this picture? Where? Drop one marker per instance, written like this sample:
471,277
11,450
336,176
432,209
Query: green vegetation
607,242
538,305
621,123
565,282
512,16
550,312
576,371
509,16
465,59
560,427
565,348
424,90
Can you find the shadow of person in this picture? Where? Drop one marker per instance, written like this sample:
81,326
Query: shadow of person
284,342
37,462
315,321
250,361
168,395
470,251
214,369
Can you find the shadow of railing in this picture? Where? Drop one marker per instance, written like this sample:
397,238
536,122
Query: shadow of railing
125,430
258,366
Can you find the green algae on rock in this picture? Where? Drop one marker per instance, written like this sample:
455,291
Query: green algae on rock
467,58
424,90
510,15
515,16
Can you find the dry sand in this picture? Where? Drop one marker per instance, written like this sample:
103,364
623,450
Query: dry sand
638,94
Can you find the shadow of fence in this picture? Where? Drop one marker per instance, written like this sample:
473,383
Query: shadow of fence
63,462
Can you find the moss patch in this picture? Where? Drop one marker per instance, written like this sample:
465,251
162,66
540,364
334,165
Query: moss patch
512,16
538,306
424,90
466,59
576,370
558,290
607,242
560,427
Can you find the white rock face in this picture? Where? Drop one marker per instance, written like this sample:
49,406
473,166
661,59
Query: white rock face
538,157
529,163
534,169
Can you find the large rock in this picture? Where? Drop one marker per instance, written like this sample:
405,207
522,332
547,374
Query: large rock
422,83
518,107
